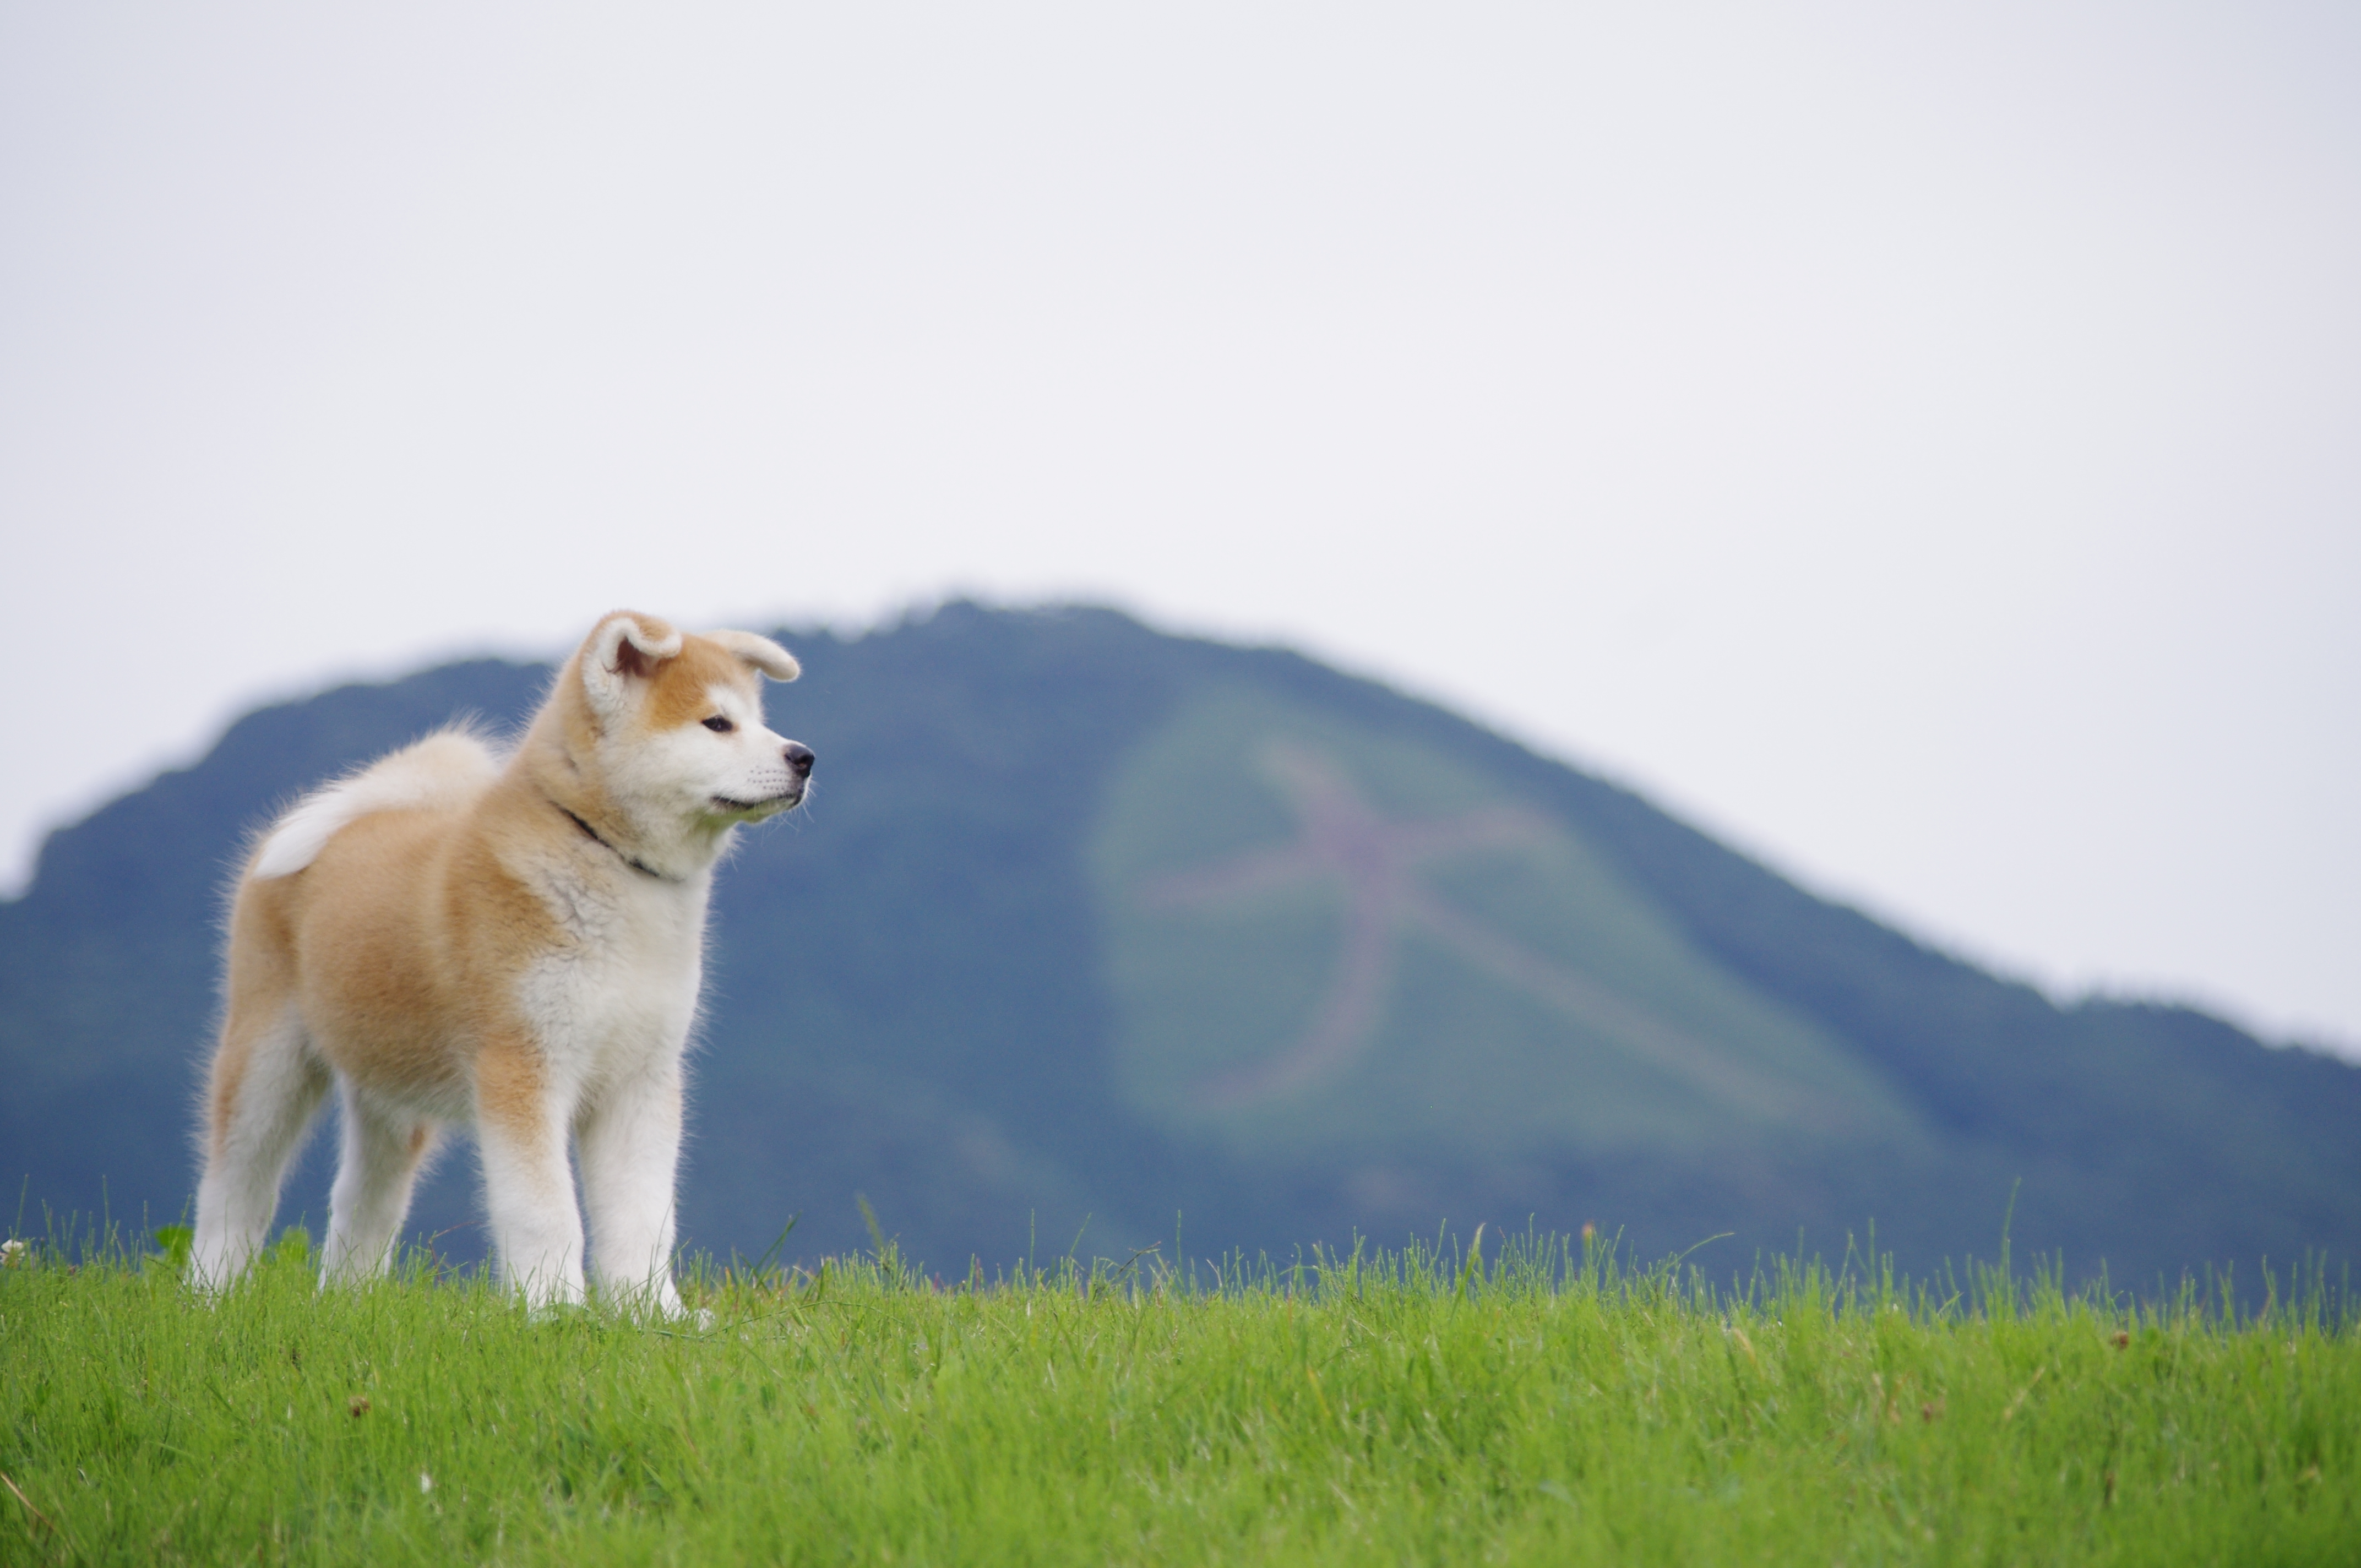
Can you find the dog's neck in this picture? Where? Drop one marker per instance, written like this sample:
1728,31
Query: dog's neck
600,840
679,858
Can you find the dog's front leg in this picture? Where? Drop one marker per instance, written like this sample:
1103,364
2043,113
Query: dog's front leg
521,1125
630,1153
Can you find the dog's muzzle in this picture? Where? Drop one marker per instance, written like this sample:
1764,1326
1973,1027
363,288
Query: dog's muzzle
799,759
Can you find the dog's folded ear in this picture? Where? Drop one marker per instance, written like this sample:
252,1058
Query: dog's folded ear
759,652
625,647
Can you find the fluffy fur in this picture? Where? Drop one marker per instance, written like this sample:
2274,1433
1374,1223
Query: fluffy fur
448,936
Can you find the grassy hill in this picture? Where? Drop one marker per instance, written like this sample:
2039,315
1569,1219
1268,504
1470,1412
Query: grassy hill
1089,922
1520,1407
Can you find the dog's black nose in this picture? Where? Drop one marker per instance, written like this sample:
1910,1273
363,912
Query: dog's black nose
799,759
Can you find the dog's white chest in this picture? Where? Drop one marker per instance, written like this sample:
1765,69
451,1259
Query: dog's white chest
623,989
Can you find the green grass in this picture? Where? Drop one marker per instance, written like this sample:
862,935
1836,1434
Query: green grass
1410,1407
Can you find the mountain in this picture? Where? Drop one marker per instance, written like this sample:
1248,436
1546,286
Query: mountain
1218,948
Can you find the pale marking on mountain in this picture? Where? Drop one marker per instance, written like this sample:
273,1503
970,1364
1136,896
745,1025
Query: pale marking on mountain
1343,837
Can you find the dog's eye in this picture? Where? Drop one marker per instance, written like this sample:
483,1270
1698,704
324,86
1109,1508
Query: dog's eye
719,724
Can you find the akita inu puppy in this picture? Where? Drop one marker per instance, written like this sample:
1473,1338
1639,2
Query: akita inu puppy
449,937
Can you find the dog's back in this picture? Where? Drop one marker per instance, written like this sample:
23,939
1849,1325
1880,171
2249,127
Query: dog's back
446,771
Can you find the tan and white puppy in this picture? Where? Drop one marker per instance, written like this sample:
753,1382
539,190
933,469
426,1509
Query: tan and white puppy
452,937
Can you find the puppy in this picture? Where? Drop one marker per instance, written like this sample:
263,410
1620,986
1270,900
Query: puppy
452,937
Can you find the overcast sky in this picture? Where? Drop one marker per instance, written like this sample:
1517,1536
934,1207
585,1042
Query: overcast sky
1919,444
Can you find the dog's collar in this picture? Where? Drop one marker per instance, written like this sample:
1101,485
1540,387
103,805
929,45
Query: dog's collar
593,835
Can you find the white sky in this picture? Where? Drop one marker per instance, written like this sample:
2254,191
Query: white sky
1920,443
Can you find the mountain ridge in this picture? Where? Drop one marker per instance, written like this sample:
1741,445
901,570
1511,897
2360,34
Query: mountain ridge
915,995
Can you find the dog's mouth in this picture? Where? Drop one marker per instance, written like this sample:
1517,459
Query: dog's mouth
767,806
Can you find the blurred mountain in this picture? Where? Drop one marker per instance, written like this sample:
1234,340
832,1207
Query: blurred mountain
1092,931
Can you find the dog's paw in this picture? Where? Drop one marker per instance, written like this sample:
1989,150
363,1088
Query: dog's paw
555,1312
679,1318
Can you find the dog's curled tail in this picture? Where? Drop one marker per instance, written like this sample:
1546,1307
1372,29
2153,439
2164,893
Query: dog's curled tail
445,768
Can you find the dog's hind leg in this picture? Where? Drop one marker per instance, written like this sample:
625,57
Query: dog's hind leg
266,1082
378,1160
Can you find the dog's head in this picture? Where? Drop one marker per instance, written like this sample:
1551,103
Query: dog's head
677,721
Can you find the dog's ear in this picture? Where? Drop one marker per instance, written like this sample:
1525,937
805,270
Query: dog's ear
623,648
759,652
